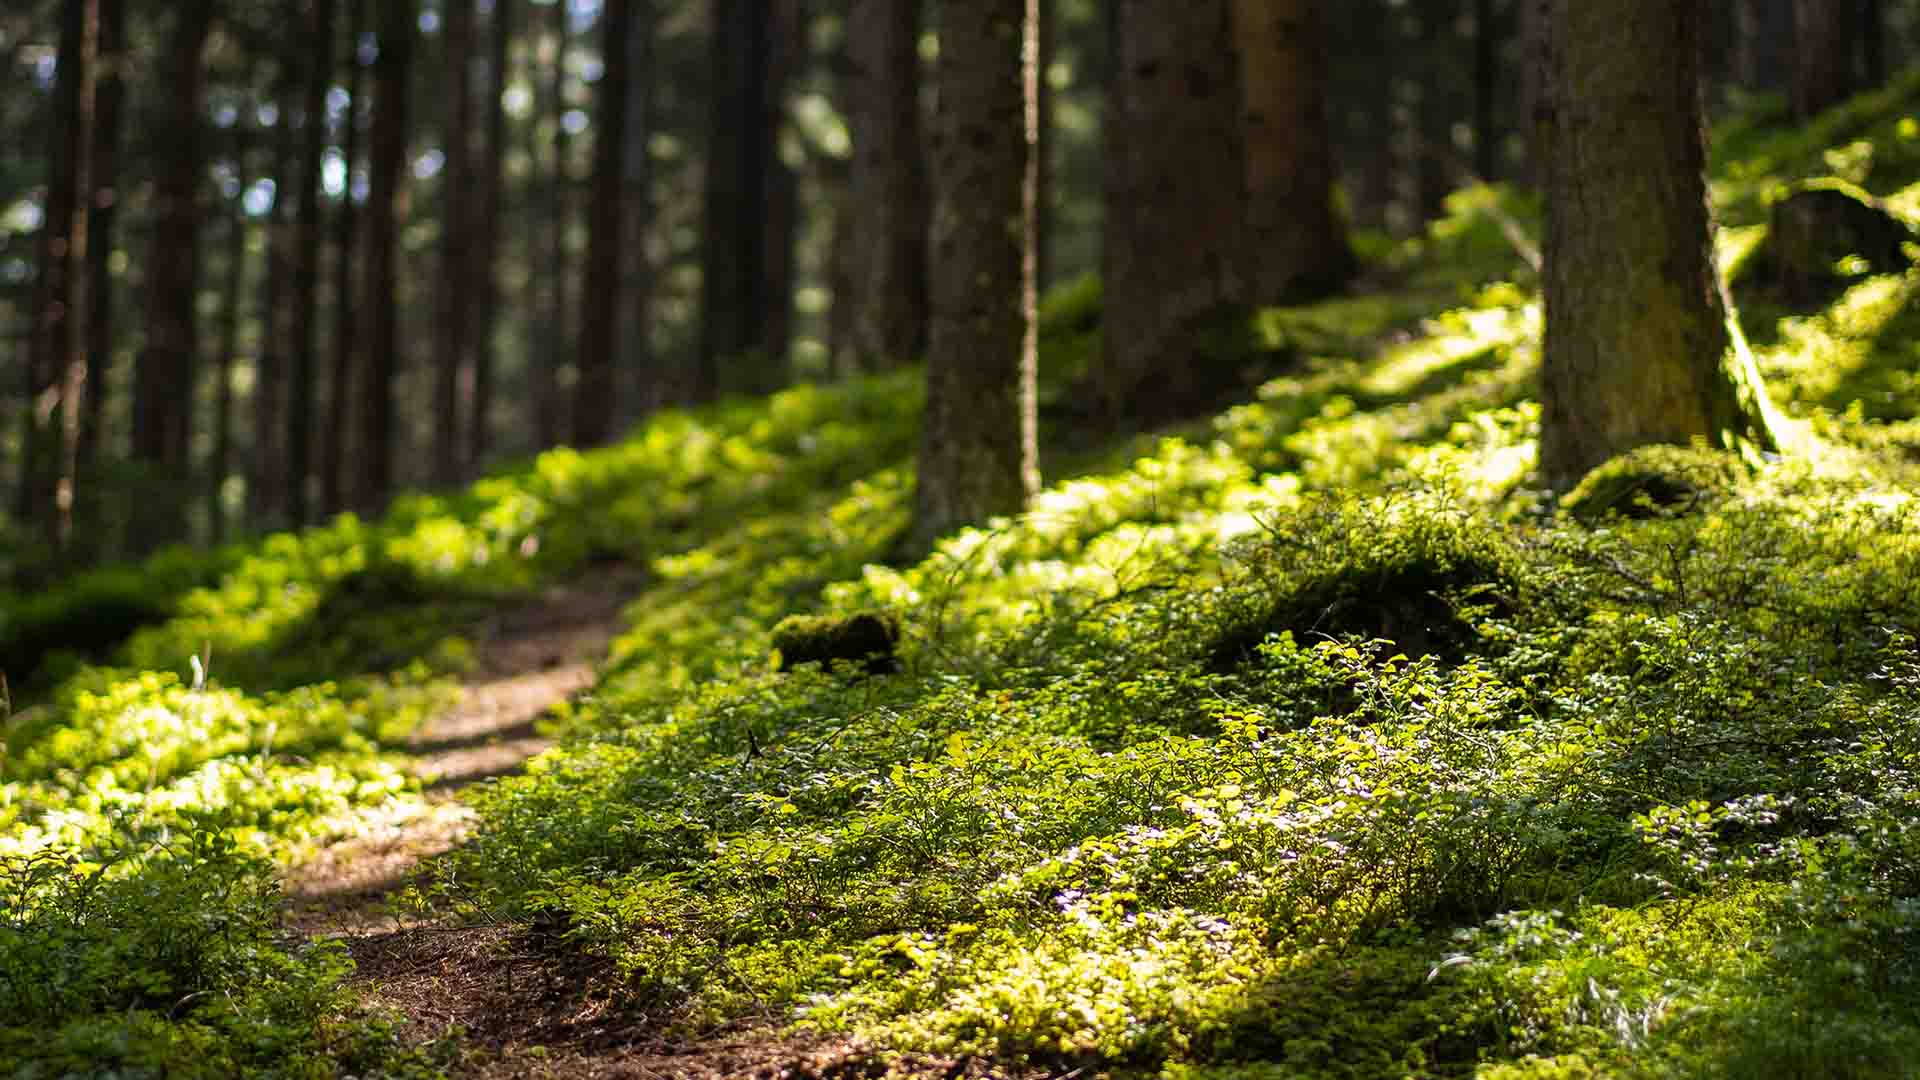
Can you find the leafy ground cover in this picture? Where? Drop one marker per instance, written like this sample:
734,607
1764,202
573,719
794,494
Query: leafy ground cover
1308,742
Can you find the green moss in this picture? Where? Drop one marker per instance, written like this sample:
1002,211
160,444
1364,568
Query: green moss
867,639
1654,481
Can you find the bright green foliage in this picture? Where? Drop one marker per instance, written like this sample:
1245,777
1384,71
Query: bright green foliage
1654,480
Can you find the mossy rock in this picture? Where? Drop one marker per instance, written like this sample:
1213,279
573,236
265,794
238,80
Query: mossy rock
1825,233
1655,481
1412,594
867,638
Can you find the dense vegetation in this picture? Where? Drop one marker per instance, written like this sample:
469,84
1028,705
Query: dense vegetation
1306,741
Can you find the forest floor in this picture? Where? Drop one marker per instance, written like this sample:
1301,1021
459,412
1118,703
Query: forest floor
516,1007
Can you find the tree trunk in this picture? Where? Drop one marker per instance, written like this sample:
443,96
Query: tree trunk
1045,30
1824,39
787,45
1294,246
486,263
385,202
977,451
644,384
333,455
233,296
306,267
887,187
1536,19
594,388
267,472
109,99
1175,204
739,183
1434,160
456,232
1637,343
165,375
1487,36
1873,44
549,412
58,298
1764,43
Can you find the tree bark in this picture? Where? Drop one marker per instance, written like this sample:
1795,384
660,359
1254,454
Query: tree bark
1434,160
110,91
644,389
887,186
549,412
1175,204
739,184
595,387
978,453
165,374
385,202
1638,348
1824,39
267,467
1873,44
456,232
333,454
233,296
486,263
306,267
1763,44
1295,248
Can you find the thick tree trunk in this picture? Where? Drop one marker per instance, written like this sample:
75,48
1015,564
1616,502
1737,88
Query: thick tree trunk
487,233
1637,343
887,186
1175,204
58,296
385,200
739,184
333,455
306,267
1825,34
594,389
110,91
977,451
456,233
165,375
1294,246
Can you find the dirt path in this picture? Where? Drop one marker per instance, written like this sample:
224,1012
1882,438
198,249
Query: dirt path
529,659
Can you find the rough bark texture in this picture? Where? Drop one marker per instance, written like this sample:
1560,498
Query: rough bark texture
333,452
306,269
1825,32
1294,246
487,232
456,243
740,160
164,378
594,389
977,452
887,198
386,193
1637,343
1174,203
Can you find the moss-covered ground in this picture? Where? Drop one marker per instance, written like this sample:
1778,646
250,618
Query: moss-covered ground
1305,741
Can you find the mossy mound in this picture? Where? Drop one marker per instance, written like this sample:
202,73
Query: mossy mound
867,638
1827,232
1655,481
1413,585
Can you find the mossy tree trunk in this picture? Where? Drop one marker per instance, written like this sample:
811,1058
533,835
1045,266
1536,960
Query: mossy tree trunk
1294,245
1637,349
1175,203
1824,35
978,451
887,197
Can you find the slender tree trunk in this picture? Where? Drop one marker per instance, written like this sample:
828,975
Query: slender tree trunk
385,205
1487,37
109,98
1175,205
487,237
59,288
887,186
306,267
456,225
739,184
1873,44
1824,40
1536,20
233,296
1434,162
643,385
333,454
1764,43
1637,344
549,411
781,221
1295,247
978,452
1045,30
165,375
267,473
594,389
